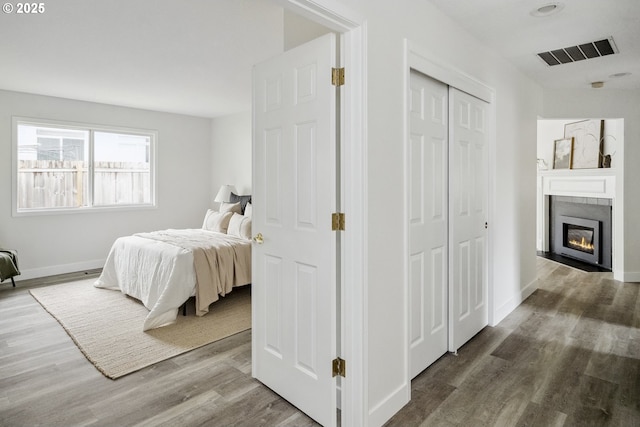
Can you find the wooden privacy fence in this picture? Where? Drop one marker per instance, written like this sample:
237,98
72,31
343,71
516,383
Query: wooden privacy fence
65,183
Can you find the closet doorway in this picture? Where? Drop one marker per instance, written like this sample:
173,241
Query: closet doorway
447,192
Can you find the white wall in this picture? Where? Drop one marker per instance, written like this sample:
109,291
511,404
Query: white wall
231,153
62,243
604,103
512,224
299,30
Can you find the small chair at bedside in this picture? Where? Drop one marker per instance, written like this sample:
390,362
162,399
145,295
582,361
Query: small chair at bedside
8,265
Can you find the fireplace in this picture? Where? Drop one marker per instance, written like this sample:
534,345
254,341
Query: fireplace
579,238
581,228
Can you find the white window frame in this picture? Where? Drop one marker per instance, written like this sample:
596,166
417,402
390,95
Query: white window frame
91,128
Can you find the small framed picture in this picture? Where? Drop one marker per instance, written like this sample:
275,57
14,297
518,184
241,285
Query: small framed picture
563,153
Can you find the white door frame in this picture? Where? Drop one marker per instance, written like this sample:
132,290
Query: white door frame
420,59
353,172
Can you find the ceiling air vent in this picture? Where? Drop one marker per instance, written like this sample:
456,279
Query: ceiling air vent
580,52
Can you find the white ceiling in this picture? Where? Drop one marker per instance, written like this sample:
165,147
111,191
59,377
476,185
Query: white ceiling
195,56
507,27
192,57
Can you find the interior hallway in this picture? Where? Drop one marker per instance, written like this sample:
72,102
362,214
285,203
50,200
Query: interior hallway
569,355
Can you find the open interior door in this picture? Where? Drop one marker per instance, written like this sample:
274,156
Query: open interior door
294,250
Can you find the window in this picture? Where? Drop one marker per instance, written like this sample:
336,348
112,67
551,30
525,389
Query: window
74,167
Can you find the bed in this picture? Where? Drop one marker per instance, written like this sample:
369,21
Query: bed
163,269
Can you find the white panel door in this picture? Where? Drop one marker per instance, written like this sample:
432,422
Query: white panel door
294,194
468,215
428,253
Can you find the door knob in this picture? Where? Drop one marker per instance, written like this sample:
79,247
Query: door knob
258,239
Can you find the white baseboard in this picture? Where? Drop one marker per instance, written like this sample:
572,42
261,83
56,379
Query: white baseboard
34,273
630,276
387,408
511,304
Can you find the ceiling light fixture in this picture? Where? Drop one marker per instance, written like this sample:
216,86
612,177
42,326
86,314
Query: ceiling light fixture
597,85
547,9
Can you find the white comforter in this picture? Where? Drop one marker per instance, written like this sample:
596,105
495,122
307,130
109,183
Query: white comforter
161,275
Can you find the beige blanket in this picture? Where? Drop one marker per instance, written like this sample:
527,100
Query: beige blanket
221,261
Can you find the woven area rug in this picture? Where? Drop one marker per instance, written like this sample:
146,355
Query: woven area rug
107,325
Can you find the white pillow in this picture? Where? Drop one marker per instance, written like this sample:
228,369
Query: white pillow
240,226
248,210
230,207
217,221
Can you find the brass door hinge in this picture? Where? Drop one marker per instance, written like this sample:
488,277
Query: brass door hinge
337,76
337,221
338,367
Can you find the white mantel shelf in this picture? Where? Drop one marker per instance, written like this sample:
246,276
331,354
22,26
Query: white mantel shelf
598,183
578,172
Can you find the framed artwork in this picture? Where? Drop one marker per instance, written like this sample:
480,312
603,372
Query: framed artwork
562,153
587,143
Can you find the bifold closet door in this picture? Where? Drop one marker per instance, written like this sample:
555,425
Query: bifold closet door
468,309
428,216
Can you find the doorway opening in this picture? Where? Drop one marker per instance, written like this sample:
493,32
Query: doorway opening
351,322
587,186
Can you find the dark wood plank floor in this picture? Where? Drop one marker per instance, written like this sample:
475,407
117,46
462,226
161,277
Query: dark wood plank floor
569,355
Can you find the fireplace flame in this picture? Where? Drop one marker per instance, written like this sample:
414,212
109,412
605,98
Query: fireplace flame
582,244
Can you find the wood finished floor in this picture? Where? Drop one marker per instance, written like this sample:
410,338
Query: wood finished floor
569,355
46,381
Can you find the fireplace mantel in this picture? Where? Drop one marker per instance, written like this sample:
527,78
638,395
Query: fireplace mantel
587,183
598,183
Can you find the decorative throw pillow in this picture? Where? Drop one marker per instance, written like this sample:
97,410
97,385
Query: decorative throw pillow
240,226
248,210
217,221
230,207
234,198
